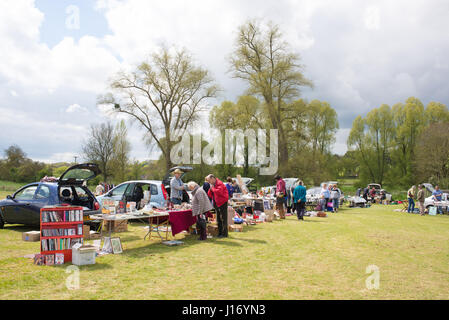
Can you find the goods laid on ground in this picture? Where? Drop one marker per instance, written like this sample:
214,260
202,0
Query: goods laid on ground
31,236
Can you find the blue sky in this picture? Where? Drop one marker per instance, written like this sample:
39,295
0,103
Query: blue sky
359,54
53,29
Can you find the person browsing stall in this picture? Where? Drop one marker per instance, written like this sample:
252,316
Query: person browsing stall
230,187
176,187
299,199
220,196
410,198
325,196
200,206
280,195
421,198
437,195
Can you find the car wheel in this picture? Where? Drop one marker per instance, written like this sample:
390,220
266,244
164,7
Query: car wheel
2,223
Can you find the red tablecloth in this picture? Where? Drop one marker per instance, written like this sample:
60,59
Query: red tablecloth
181,220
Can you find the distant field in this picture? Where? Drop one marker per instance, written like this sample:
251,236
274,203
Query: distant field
9,186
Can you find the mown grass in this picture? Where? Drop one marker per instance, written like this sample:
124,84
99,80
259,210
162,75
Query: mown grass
8,187
320,258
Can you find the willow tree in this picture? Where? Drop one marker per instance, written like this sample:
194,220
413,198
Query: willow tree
164,95
272,70
243,115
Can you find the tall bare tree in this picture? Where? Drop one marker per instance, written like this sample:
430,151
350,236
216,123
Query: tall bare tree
164,95
264,60
122,148
99,147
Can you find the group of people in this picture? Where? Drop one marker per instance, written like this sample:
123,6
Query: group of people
437,196
330,197
298,193
213,194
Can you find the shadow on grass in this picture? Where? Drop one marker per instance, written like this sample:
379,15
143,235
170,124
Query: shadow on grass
190,240
21,228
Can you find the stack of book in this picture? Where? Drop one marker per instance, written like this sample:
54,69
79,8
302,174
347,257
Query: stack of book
62,216
61,229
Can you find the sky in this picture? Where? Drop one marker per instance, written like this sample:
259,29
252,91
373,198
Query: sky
56,57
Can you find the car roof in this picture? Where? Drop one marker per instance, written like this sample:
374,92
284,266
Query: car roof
142,181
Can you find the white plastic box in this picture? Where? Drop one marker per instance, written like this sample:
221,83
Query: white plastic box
83,255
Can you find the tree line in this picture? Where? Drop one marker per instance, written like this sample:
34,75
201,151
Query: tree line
402,145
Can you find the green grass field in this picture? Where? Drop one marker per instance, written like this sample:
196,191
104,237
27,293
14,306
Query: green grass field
320,258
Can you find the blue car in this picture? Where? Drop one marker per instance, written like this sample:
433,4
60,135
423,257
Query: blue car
23,207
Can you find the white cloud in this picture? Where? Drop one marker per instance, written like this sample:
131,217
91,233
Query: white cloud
76,108
372,18
353,68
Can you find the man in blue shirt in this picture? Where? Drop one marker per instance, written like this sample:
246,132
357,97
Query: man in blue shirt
299,199
437,195
176,187
230,187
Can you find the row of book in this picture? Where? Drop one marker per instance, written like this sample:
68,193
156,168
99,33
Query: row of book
62,216
63,232
49,259
59,244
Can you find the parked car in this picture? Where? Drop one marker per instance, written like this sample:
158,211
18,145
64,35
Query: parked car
378,189
24,206
133,191
429,202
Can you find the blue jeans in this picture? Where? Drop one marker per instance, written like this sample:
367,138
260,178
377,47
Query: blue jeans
336,203
411,205
176,201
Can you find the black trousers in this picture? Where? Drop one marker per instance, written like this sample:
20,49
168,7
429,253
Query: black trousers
222,219
300,208
201,228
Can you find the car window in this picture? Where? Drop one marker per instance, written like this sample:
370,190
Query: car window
81,193
154,190
43,192
26,194
120,190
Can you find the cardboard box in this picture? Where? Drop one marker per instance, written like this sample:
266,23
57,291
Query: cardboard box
212,229
236,228
94,235
86,232
115,226
31,236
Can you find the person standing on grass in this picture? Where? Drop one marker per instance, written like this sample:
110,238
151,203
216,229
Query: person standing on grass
220,197
230,187
335,195
280,196
200,206
236,187
421,198
176,187
437,195
410,198
99,190
325,196
299,200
